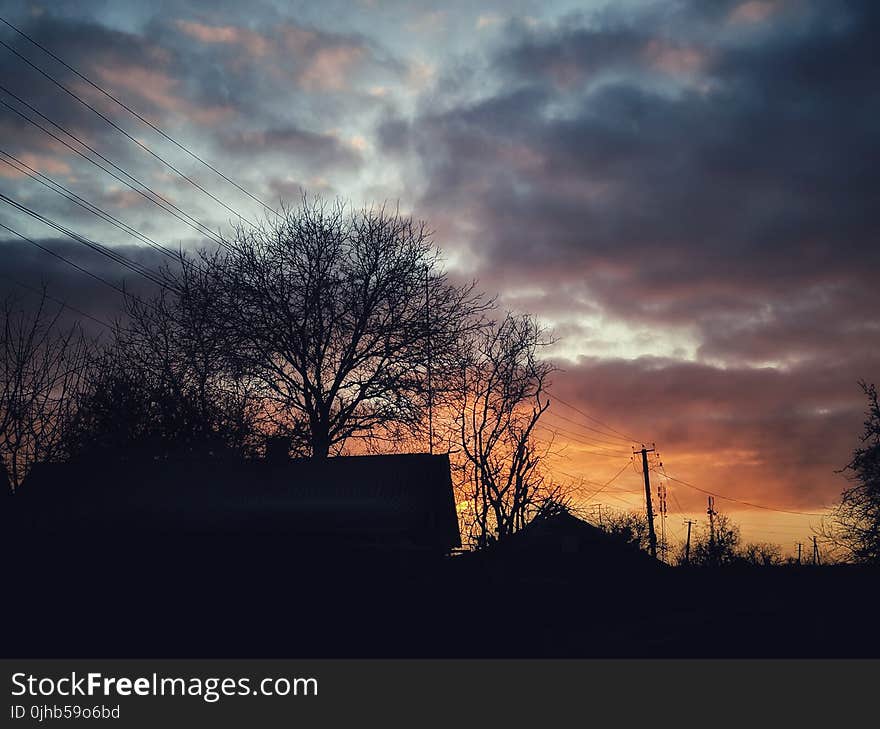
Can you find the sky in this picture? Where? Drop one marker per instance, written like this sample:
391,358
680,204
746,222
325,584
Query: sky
685,191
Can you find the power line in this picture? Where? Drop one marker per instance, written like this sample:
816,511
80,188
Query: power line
93,245
552,427
186,218
577,477
628,504
137,115
675,499
739,501
617,443
199,227
125,133
662,469
626,437
67,193
588,452
607,483
761,531
602,487
65,260
594,430
618,490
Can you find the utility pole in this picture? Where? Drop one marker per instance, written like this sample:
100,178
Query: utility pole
712,514
687,544
652,535
428,347
661,501
799,546
816,552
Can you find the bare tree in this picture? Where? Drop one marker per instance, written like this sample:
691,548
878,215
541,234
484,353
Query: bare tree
41,370
630,526
335,314
761,554
717,547
502,397
853,528
163,386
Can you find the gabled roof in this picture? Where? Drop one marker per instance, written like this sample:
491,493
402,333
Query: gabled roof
564,540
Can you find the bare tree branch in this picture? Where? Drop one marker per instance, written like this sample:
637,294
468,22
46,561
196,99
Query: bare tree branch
42,368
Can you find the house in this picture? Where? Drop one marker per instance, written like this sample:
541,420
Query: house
560,544
386,501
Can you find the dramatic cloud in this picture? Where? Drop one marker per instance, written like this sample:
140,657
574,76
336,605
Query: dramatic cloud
325,151
734,200
28,270
707,174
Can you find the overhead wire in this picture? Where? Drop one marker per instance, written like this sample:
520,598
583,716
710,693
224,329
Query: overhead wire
576,438
606,484
60,257
580,424
99,248
122,131
596,420
157,198
67,193
617,443
740,501
138,116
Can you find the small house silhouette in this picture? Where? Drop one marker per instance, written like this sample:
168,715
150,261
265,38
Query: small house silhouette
560,544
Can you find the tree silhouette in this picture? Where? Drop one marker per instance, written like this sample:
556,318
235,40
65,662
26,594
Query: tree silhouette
333,315
502,397
161,387
717,547
854,524
761,554
630,526
42,367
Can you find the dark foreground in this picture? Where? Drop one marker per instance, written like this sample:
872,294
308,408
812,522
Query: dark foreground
261,597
